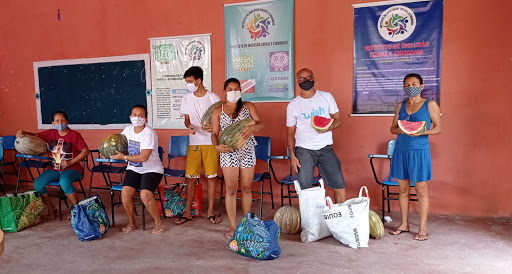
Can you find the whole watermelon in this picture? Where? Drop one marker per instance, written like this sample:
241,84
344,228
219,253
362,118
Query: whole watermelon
230,136
31,145
111,144
206,121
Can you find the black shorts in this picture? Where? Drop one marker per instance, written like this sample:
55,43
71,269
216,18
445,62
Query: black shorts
148,181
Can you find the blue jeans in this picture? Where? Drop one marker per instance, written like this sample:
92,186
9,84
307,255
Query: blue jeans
65,178
329,167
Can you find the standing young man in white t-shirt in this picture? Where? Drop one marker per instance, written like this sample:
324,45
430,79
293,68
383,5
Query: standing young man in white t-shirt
193,106
307,147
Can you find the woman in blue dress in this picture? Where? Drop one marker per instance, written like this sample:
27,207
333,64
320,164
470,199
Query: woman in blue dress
411,162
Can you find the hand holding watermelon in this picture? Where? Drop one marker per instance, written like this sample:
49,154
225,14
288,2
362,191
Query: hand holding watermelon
223,148
321,124
413,129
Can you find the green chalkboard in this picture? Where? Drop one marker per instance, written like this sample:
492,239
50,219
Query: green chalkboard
95,94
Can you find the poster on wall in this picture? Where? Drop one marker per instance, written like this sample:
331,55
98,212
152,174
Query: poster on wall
170,58
259,49
391,40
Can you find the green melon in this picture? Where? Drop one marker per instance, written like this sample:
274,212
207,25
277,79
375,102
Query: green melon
288,219
376,225
230,136
31,145
206,121
111,144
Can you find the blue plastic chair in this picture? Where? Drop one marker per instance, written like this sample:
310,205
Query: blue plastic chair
262,150
119,187
7,143
288,179
106,168
60,193
178,147
388,181
31,161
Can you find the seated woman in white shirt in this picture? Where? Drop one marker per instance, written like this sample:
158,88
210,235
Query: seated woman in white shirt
145,169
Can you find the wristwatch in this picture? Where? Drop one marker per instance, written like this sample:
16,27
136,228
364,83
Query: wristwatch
125,159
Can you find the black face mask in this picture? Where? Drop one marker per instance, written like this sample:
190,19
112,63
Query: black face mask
307,85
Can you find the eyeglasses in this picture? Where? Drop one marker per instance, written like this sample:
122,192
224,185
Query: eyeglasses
302,79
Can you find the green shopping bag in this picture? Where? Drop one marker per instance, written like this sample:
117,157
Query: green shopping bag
19,211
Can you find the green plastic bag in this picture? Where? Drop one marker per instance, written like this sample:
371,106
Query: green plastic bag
19,211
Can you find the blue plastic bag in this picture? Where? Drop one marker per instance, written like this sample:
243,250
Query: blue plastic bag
89,219
256,239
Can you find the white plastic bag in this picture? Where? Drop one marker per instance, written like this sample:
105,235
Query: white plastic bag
312,204
349,222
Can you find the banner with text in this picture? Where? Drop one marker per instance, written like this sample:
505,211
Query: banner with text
391,41
259,49
170,58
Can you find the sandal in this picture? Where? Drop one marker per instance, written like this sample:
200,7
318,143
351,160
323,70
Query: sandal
157,231
128,228
397,231
421,237
180,222
213,219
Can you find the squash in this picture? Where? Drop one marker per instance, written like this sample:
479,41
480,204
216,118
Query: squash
113,142
31,145
206,121
288,219
230,136
376,225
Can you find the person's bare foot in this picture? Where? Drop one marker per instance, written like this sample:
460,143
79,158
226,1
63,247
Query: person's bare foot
230,233
158,230
129,228
52,213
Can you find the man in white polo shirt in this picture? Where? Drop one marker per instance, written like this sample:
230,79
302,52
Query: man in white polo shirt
307,147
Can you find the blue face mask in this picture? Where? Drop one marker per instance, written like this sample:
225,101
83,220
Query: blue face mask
412,91
60,127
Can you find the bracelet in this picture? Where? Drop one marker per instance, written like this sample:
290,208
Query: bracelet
125,159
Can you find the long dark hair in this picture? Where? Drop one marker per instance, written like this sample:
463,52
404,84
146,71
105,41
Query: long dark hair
239,103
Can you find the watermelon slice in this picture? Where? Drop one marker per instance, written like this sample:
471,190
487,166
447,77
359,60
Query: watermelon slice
412,127
321,124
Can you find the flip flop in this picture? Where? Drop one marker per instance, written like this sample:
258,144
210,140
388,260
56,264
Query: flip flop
128,229
397,231
213,219
157,231
424,237
179,222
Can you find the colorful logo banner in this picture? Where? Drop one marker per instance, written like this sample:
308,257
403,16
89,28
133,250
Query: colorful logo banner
391,41
259,49
170,58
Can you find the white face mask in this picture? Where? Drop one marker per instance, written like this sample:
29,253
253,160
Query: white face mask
137,121
191,87
233,96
